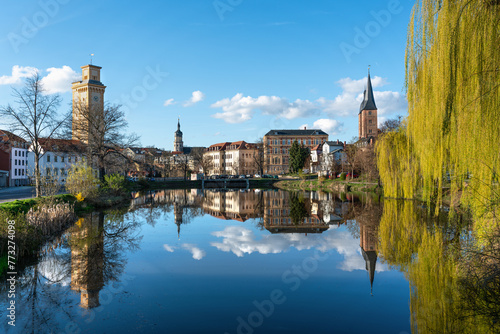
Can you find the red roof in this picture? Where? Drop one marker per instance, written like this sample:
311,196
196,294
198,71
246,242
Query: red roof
61,145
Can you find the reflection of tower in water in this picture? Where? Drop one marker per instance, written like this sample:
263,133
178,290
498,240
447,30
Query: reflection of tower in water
178,211
87,259
368,242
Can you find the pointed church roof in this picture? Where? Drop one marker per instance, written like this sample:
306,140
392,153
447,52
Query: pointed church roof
178,132
370,258
368,100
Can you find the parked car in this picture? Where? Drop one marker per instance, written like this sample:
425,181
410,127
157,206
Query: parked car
249,176
257,175
352,176
241,177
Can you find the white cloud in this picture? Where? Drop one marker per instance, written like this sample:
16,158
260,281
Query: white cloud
239,108
59,80
169,102
330,126
197,253
348,102
18,73
240,241
169,248
196,97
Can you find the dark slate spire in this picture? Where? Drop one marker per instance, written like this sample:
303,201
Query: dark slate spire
370,258
368,101
178,132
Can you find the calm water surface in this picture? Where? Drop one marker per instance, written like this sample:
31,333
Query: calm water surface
187,261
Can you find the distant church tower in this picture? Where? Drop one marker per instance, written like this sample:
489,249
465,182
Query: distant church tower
368,114
87,93
178,145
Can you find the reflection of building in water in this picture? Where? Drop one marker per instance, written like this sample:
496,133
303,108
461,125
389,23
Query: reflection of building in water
280,210
87,259
368,233
178,211
233,205
183,197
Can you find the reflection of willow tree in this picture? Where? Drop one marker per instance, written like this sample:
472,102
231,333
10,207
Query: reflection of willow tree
96,248
480,281
298,210
429,252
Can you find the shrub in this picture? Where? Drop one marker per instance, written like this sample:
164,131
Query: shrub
82,180
115,182
342,176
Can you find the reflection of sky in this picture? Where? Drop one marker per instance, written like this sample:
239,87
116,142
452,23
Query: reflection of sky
242,241
55,269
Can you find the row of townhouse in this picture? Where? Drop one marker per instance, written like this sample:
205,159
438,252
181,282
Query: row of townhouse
17,159
232,159
13,160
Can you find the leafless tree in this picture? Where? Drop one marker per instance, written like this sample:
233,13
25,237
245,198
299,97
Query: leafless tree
258,156
103,129
351,156
391,124
34,117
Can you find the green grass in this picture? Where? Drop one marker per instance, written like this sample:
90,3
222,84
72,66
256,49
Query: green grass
25,205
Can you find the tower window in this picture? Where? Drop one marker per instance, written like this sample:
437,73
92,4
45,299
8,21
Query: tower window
370,121
369,113
369,131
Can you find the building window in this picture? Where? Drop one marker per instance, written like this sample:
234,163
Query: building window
15,153
15,172
23,171
369,131
62,159
55,158
69,159
370,121
47,171
48,159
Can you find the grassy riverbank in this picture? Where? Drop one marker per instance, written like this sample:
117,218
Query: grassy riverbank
328,185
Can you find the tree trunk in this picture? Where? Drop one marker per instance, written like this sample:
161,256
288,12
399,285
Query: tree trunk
38,186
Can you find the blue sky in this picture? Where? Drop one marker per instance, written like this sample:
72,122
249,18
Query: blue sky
232,69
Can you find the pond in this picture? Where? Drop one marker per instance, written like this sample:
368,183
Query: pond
243,261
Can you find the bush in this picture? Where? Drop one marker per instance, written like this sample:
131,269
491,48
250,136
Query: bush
82,180
115,182
342,176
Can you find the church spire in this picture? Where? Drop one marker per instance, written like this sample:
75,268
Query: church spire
179,124
368,100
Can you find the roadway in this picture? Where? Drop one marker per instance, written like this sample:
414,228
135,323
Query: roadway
13,193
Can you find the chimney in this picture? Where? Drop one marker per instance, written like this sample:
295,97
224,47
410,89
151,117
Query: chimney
305,128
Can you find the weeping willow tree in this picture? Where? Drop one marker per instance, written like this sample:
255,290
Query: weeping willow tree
453,89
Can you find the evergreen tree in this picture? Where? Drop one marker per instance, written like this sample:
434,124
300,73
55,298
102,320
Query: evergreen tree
298,157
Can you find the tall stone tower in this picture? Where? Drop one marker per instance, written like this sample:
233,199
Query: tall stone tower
367,116
178,145
88,96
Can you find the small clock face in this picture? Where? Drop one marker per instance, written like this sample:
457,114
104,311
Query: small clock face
96,98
